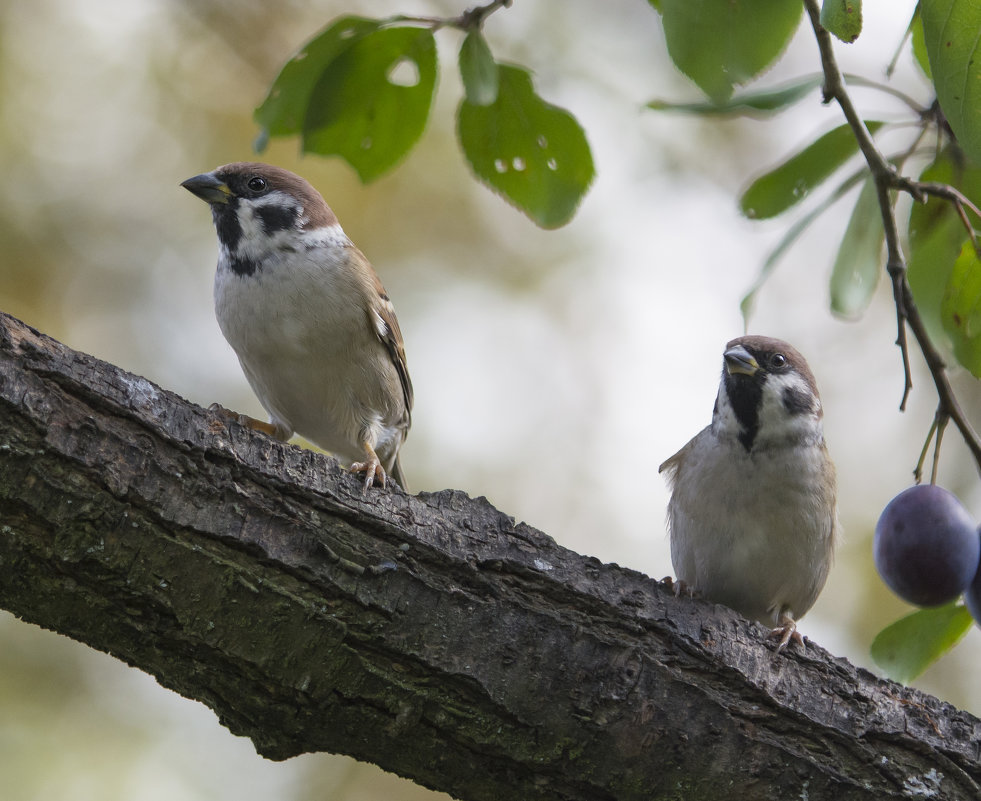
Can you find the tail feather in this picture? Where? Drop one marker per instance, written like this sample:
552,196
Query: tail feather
398,475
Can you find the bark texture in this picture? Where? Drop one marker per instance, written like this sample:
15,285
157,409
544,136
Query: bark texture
429,634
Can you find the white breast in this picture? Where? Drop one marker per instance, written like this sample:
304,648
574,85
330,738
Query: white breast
297,334
752,530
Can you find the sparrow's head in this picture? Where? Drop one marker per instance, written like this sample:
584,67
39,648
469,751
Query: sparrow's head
259,211
768,395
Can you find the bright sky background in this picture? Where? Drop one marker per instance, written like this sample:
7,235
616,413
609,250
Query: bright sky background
553,371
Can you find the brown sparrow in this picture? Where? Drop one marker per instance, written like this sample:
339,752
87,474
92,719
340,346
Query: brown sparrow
313,329
752,515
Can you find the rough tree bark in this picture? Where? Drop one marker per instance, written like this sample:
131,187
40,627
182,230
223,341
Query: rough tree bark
428,634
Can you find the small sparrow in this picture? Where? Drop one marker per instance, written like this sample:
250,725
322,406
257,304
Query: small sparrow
310,321
752,515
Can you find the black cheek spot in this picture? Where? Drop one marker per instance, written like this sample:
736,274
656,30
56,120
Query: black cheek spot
797,401
277,218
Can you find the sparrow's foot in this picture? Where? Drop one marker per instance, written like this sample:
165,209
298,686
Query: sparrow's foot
786,631
680,587
372,469
276,430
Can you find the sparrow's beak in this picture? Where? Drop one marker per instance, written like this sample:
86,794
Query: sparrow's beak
739,360
208,188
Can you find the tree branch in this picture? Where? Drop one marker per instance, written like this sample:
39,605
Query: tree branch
888,179
429,633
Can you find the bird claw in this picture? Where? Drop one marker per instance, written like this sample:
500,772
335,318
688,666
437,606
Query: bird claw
786,631
679,587
227,414
372,469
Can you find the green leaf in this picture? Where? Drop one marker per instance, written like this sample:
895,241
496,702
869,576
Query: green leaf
961,309
478,70
904,649
936,236
285,107
534,154
952,32
919,43
859,260
843,18
931,261
371,102
720,44
792,235
751,104
781,188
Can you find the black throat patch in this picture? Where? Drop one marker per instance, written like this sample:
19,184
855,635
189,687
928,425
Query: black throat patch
226,224
230,234
241,266
745,396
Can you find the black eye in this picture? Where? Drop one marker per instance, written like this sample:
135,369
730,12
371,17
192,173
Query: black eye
778,361
257,183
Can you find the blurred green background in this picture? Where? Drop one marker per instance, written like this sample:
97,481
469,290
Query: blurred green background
553,371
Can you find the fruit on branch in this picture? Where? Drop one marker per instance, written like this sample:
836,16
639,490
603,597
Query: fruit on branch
926,546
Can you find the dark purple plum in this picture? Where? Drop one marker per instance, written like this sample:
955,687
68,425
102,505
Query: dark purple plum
926,546
972,595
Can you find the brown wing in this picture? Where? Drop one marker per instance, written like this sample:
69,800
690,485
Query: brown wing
388,332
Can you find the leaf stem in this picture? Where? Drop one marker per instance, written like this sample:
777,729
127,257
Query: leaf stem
887,179
469,20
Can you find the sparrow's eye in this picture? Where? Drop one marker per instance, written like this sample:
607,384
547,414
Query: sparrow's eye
778,361
257,183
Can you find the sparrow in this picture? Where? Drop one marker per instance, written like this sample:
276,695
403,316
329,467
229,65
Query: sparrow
312,326
753,516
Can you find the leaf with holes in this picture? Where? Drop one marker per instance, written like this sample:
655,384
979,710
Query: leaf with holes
478,70
843,18
285,107
961,309
904,649
720,44
532,153
781,188
859,260
371,102
952,33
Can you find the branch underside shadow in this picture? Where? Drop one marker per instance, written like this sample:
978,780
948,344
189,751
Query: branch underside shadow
429,634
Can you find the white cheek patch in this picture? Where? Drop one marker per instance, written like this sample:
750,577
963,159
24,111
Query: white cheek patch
794,393
788,407
250,223
256,242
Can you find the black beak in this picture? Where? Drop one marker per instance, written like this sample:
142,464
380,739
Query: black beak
209,188
739,360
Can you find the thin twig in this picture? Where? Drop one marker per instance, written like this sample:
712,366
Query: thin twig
919,189
918,470
942,420
471,19
886,179
861,80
